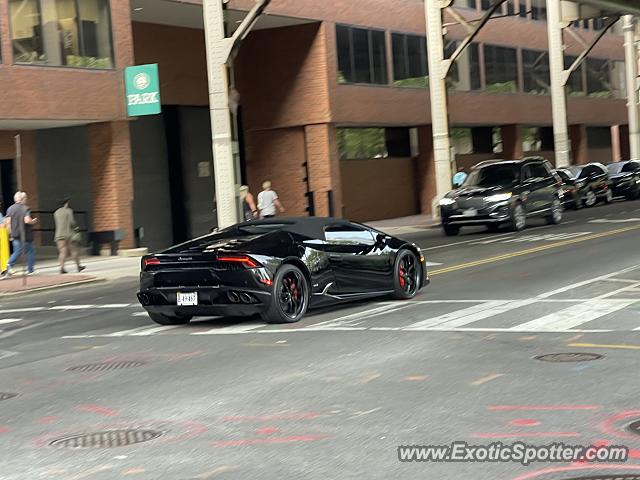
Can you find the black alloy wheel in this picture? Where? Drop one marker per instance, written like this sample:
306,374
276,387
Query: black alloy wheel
406,279
450,230
590,199
518,217
162,319
290,296
556,213
608,198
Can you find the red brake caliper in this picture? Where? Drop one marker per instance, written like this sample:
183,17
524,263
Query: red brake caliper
295,290
402,281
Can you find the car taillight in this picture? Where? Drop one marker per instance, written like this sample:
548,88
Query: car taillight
147,262
243,259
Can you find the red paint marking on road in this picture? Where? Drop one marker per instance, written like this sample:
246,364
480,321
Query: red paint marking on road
267,418
634,453
524,422
525,434
134,471
267,430
4,429
48,419
28,382
98,410
273,440
570,468
541,407
607,426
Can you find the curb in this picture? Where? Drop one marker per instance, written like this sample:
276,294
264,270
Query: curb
52,287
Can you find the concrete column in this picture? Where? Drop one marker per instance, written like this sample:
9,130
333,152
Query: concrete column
579,144
625,147
558,93
439,109
631,69
426,170
512,142
111,178
324,168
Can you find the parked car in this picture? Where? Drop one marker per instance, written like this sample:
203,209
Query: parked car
501,192
278,268
625,179
585,185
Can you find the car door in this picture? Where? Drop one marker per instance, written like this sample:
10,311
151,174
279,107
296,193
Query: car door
539,184
356,259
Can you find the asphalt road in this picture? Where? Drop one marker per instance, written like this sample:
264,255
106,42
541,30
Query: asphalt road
334,396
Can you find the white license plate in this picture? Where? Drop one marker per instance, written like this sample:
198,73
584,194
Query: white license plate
188,299
470,212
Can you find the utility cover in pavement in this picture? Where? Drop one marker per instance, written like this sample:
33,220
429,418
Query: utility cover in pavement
106,439
7,396
568,357
634,428
100,367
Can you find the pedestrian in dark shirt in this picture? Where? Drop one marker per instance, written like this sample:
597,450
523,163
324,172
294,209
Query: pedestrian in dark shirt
20,224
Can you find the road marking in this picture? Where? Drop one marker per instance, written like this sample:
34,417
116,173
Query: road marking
433,264
114,305
576,315
358,315
532,250
469,315
9,320
20,310
232,330
546,238
587,282
621,220
595,345
140,314
511,408
151,331
488,378
501,330
72,307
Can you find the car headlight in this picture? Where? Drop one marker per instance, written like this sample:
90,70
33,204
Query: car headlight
447,201
499,197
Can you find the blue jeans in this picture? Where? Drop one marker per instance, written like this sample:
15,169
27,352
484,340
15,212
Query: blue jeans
29,251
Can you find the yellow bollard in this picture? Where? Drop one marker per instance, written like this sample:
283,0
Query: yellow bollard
4,248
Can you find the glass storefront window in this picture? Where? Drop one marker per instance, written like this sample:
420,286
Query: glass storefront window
75,33
362,56
409,60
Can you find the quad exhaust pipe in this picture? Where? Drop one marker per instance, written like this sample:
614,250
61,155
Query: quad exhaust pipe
239,297
145,299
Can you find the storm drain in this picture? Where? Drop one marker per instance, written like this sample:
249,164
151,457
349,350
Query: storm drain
611,476
568,357
634,428
7,396
101,367
106,439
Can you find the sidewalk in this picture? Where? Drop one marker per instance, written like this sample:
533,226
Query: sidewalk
47,275
401,225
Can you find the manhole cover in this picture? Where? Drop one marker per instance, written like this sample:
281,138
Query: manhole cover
634,427
100,367
569,357
7,396
106,439
616,476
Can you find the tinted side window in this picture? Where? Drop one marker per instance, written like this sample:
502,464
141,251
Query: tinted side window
348,235
536,170
586,172
630,167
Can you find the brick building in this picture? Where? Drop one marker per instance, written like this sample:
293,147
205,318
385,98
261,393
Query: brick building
333,101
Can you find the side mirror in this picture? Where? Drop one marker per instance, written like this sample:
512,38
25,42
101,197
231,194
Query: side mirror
381,239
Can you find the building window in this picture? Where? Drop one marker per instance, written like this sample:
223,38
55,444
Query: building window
575,85
464,74
538,10
74,33
361,143
535,68
361,55
598,78
409,60
501,69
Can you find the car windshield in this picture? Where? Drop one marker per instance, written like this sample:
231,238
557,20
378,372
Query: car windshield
614,168
494,175
564,175
575,171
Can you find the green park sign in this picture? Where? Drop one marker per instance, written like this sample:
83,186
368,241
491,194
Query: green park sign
142,90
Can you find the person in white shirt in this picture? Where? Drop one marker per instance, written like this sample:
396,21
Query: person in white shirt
268,201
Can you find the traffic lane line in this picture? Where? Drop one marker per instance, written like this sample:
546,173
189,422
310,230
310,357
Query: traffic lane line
609,346
531,251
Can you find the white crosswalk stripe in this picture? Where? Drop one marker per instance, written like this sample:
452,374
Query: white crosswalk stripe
231,330
460,318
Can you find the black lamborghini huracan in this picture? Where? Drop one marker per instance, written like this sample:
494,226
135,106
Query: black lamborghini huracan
278,268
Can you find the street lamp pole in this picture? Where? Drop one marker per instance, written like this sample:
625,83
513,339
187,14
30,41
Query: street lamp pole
631,68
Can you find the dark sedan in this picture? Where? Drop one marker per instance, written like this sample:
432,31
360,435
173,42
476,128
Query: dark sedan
278,268
585,185
503,192
625,179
